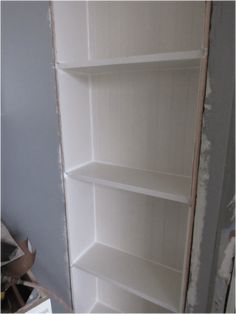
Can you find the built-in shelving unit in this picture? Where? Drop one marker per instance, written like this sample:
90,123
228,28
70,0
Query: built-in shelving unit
128,84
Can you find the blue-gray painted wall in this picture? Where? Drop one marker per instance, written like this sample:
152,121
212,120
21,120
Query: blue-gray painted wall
32,193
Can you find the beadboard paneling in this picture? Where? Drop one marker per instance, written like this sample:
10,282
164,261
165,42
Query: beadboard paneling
145,119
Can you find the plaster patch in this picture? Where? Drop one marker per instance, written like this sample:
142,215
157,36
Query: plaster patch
232,205
208,86
208,106
208,92
226,265
203,177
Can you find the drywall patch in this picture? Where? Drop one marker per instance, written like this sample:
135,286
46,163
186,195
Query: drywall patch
226,265
203,178
224,274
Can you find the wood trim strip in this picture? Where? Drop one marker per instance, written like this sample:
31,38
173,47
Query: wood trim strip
196,159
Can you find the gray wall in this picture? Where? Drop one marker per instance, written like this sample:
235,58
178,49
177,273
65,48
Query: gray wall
216,176
32,192
32,196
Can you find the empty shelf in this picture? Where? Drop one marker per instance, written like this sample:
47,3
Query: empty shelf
171,187
146,279
160,60
102,308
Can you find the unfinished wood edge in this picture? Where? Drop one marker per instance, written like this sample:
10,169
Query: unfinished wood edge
61,160
196,158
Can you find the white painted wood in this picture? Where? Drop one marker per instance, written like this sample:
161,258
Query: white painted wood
75,119
126,28
70,30
99,296
43,307
127,126
102,308
148,280
124,301
80,216
145,120
181,59
148,227
84,290
156,184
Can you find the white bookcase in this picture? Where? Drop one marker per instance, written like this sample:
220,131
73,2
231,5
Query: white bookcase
128,77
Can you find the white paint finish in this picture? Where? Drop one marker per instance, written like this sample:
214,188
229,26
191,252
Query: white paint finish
144,226
161,185
75,118
148,280
138,28
124,301
102,308
181,59
70,25
84,288
145,120
80,216
131,129
44,307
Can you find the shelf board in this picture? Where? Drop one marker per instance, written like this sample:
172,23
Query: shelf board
154,61
166,186
150,281
102,308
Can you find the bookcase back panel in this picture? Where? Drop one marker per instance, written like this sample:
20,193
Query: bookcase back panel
145,119
87,30
124,301
90,290
144,226
124,28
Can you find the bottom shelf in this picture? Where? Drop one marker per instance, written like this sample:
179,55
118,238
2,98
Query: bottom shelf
102,308
94,295
153,282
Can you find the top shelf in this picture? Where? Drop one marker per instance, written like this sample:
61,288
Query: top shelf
171,60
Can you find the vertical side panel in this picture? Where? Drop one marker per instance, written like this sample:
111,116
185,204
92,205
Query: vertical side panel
70,26
75,118
84,289
80,216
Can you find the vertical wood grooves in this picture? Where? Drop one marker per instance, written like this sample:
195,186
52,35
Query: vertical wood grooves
137,121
